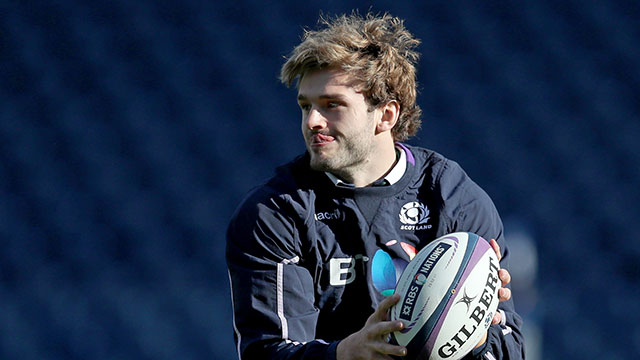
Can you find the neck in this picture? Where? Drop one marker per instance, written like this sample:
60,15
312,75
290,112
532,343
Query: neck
374,168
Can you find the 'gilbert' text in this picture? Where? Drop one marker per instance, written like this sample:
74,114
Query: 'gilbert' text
477,315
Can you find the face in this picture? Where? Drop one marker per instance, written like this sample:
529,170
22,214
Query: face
338,128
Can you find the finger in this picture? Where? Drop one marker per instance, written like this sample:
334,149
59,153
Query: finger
382,329
504,276
381,312
388,349
497,318
496,248
504,294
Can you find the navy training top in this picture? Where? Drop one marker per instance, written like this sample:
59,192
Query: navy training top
299,250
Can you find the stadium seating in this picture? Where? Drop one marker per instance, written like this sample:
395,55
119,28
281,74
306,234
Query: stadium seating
129,131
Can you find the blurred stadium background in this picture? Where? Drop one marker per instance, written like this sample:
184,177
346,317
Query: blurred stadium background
130,130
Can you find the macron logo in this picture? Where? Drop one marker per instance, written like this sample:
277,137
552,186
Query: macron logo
326,215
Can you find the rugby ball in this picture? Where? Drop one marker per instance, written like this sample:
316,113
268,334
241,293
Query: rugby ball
448,296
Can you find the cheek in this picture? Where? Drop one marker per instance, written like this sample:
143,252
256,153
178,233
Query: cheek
371,124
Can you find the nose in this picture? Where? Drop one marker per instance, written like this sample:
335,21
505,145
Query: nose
315,120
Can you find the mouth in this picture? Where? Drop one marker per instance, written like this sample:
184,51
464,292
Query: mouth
317,140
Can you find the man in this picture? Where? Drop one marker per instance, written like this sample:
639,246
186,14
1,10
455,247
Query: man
299,246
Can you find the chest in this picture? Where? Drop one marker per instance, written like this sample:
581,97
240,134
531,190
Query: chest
346,234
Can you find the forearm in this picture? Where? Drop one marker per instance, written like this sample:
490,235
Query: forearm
288,350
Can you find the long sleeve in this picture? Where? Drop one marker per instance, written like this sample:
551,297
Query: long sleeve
475,212
272,294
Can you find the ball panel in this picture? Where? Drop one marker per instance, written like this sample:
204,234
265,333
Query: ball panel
471,259
447,294
431,328
468,314
422,293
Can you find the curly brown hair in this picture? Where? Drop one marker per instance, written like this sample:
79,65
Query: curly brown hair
376,50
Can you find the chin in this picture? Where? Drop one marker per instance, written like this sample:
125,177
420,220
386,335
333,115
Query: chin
320,163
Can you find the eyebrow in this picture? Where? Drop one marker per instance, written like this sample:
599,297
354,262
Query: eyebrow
324,97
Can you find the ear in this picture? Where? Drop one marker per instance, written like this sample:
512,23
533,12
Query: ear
390,113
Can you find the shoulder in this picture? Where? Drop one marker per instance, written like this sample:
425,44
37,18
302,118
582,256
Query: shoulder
435,170
269,217
288,184
460,198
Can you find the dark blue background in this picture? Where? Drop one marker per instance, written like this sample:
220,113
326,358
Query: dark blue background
130,130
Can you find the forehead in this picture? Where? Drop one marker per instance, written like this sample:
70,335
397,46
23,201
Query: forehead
327,81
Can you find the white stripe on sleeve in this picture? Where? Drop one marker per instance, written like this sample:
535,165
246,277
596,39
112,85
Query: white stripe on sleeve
233,307
280,294
280,301
503,317
507,330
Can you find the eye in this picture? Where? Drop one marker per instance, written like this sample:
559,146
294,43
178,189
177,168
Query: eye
305,107
333,104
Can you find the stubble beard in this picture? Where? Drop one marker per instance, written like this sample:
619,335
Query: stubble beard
349,156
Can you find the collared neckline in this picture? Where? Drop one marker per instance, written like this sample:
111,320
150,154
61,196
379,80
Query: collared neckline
391,178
